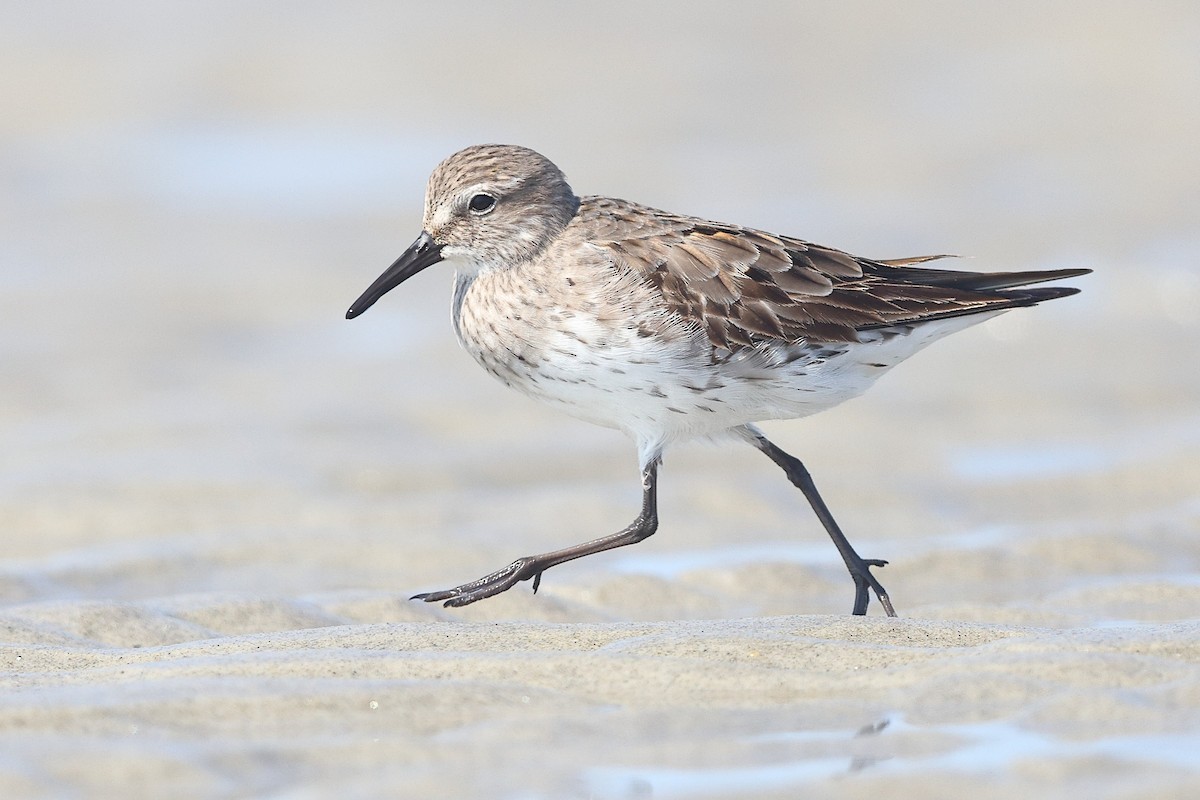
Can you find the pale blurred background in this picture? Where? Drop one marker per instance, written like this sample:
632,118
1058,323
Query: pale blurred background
195,444
192,193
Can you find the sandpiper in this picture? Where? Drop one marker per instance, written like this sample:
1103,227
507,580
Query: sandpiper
669,327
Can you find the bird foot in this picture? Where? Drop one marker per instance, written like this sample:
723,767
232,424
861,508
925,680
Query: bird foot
499,581
865,583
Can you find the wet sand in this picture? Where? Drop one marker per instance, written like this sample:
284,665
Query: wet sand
216,494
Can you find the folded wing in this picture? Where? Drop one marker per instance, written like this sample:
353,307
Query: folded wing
744,286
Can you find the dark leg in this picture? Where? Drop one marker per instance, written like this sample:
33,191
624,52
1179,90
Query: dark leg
860,568
533,566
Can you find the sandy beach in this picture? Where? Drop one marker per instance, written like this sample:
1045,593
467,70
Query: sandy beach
216,494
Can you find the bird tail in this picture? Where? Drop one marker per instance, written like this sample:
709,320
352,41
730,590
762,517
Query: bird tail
979,281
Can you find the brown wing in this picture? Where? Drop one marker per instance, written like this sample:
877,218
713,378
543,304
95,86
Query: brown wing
745,286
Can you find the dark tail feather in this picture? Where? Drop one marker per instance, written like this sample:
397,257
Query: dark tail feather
973,281
984,281
1028,297
1000,300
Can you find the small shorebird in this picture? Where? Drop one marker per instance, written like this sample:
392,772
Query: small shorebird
669,327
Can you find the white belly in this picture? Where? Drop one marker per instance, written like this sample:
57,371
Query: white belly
671,386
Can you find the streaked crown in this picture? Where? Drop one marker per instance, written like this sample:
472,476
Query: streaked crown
495,205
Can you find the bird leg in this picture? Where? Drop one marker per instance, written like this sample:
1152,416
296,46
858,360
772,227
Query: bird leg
860,568
533,566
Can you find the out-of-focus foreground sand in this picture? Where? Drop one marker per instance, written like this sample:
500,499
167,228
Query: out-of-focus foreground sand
216,494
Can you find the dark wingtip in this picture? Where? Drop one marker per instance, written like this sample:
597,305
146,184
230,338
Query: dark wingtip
1041,294
1061,274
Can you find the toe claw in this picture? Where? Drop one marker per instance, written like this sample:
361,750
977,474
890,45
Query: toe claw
433,597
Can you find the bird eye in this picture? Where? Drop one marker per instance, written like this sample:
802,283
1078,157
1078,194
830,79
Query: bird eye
482,203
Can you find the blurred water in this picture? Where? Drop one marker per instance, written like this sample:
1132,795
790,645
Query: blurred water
966,752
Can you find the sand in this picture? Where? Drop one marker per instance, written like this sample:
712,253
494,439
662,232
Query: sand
216,494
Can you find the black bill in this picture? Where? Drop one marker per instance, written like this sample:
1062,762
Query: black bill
421,254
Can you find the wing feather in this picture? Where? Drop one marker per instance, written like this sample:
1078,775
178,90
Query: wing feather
744,287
